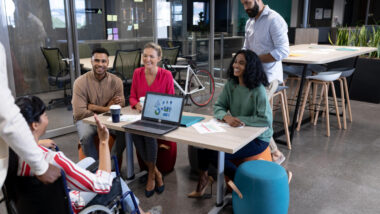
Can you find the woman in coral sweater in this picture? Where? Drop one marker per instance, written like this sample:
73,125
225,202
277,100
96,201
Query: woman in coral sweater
150,78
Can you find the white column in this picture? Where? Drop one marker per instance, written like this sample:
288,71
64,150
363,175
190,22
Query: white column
338,12
234,17
294,14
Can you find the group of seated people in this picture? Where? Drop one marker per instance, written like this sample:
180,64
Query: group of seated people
243,101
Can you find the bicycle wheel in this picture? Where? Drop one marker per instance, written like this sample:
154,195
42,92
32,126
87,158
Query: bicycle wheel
202,97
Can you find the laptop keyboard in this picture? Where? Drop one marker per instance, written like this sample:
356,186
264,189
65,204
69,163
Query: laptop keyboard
152,125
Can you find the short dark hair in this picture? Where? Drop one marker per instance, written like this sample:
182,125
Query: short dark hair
254,74
31,108
100,50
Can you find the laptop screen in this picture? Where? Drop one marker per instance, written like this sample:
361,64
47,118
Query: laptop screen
163,107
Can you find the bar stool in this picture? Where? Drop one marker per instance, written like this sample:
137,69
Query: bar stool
345,97
281,91
324,79
294,74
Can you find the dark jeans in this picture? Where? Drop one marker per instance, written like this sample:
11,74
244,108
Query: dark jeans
206,156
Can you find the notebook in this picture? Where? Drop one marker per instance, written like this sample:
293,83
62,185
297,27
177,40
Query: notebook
190,120
161,114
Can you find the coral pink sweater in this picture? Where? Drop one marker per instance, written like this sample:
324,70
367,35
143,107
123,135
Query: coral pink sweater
163,83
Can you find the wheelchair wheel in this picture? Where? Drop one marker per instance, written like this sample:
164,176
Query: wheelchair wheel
99,209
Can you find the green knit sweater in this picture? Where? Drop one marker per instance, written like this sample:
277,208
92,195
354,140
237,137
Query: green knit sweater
251,106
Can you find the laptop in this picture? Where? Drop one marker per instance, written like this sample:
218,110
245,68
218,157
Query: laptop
161,114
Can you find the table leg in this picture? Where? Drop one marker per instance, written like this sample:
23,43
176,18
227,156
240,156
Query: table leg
220,180
298,102
221,200
352,76
129,156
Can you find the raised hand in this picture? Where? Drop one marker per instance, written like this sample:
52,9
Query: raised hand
103,132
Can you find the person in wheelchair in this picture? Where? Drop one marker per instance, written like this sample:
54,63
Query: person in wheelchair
80,181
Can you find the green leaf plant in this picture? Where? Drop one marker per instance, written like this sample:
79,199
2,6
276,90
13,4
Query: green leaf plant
358,37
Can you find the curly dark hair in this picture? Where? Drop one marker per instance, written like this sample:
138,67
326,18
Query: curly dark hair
31,107
254,74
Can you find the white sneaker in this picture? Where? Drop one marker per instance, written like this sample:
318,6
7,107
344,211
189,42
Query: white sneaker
280,160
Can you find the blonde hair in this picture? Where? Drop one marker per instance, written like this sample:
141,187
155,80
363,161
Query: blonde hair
154,46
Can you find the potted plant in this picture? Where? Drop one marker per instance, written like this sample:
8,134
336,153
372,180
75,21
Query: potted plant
365,83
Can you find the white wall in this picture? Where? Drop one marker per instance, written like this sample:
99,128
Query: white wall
294,15
338,12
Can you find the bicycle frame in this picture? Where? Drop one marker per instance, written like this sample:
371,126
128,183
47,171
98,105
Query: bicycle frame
189,71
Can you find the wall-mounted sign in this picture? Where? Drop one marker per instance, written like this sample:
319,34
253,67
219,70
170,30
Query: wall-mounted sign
94,10
318,13
327,13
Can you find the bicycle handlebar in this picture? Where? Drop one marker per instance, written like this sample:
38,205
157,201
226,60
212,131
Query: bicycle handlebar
190,61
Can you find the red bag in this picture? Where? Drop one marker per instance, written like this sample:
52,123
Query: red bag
166,156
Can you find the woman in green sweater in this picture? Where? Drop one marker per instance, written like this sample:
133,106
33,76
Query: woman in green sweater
243,101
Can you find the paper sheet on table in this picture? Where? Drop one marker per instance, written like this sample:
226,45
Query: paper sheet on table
207,127
128,118
222,124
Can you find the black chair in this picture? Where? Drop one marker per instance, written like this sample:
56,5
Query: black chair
111,47
126,61
170,54
175,43
58,74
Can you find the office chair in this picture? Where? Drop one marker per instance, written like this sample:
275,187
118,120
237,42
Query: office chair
111,47
126,61
170,54
58,74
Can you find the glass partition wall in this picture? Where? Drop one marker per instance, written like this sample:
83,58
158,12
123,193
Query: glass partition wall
189,28
34,29
114,25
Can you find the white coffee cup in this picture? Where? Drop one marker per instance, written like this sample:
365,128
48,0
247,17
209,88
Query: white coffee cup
142,100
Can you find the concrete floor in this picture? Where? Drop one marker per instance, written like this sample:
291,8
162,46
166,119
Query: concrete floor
336,174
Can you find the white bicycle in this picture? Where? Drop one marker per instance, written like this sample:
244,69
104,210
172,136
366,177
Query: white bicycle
199,84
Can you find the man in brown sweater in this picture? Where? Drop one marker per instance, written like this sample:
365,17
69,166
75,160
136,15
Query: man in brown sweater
95,92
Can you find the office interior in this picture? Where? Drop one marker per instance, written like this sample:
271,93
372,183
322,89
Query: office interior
336,174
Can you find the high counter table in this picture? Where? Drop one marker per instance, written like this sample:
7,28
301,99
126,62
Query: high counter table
230,141
306,54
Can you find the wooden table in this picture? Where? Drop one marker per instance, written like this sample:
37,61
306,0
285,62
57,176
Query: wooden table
230,141
306,54
86,62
